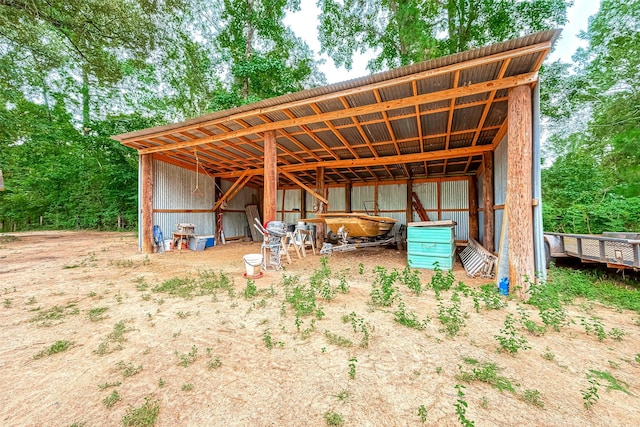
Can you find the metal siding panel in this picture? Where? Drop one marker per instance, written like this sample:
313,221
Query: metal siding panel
499,215
293,199
336,199
481,228
462,223
392,197
361,194
500,173
428,194
480,182
454,194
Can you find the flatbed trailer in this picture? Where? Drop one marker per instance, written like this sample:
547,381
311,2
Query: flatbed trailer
617,250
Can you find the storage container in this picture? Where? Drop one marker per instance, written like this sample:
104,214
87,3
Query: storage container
429,242
197,243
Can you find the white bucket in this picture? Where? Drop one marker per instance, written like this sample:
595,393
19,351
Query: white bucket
168,245
252,263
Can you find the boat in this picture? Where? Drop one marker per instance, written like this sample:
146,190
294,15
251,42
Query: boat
358,224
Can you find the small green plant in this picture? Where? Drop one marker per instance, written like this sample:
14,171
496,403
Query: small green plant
55,314
360,269
112,399
491,297
451,317
343,395
590,395
188,358
411,280
128,369
509,339
439,281
250,290
337,340
183,314
333,418
214,363
31,301
144,416
407,318
461,407
343,287
108,385
532,327
113,341
7,302
484,402
533,397
487,373
594,325
57,347
422,413
383,292
617,334
352,367
97,314
161,382
187,387
548,355
438,370
268,341
359,325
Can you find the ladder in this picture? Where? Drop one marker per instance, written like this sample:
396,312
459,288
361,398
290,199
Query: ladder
417,206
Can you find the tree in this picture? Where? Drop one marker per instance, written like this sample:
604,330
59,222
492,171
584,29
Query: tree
409,31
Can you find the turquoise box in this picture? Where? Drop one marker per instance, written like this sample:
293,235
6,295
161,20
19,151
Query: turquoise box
429,242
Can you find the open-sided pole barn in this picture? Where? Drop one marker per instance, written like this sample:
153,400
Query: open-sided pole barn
461,132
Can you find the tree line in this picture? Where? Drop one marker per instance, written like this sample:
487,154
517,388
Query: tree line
75,72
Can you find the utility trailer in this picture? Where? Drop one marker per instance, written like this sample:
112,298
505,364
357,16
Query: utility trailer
617,250
345,243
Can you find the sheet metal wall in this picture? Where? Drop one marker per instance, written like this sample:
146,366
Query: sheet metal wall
336,199
291,203
361,194
234,218
455,195
173,189
499,186
480,182
393,197
427,192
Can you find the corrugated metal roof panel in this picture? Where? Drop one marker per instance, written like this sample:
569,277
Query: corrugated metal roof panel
466,118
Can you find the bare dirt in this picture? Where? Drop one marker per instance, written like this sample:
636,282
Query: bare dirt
305,375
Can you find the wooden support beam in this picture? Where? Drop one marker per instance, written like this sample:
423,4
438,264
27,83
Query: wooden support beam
409,202
347,197
488,222
232,191
519,191
442,95
473,207
146,203
387,160
293,178
270,176
321,227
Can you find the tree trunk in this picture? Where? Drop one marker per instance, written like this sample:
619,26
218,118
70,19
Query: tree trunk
86,116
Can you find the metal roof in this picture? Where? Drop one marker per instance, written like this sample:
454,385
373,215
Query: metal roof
431,119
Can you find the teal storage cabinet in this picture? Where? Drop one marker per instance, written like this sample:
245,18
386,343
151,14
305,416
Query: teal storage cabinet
429,242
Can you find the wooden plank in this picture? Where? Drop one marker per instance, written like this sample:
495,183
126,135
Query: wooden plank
473,207
488,222
519,190
233,190
321,227
293,178
146,203
446,94
270,176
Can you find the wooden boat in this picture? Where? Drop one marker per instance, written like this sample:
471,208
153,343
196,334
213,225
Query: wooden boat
358,225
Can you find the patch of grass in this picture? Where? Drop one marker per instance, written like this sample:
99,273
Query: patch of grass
109,385
439,281
509,339
206,283
343,395
128,369
113,341
143,416
411,280
359,325
487,373
383,290
7,302
54,314
188,358
533,397
96,314
251,290
302,298
31,301
188,387
183,314
112,399
491,297
451,316
214,363
422,413
268,340
337,340
333,418
408,318
57,347
612,382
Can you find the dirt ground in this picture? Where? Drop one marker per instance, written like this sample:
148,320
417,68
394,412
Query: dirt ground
52,281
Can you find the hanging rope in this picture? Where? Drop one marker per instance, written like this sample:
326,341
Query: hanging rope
196,191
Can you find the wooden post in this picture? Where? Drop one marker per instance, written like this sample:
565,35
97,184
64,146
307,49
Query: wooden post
409,203
303,203
487,201
519,190
270,176
473,207
347,197
146,203
321,227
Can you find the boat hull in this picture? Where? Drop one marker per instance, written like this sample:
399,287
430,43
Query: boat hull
359,225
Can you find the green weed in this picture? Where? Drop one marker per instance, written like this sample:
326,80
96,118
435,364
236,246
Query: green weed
383,292
144,416
250,290
461,407
352,368
337,340
359,325
612,382
486,373
422,413
408,318
509,339
533,397
55,313
333,418
108,385
268,340
96,314
128,369
590,395
595,326
439,281
451,316
411,280
214,363
112,399
57,347
187,359
187,387
113,341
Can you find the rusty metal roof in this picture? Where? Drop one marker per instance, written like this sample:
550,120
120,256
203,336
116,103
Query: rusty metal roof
431,119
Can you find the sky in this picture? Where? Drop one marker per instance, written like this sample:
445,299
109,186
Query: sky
304,24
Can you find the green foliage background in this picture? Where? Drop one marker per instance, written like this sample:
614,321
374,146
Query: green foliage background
75,72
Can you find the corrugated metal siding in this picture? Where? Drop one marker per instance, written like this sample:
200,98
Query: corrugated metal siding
499,215
428,194
480,182
500,173
336,199
172,189
481,227
361,194
462,223
454,195
235,223
392,197
292,201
